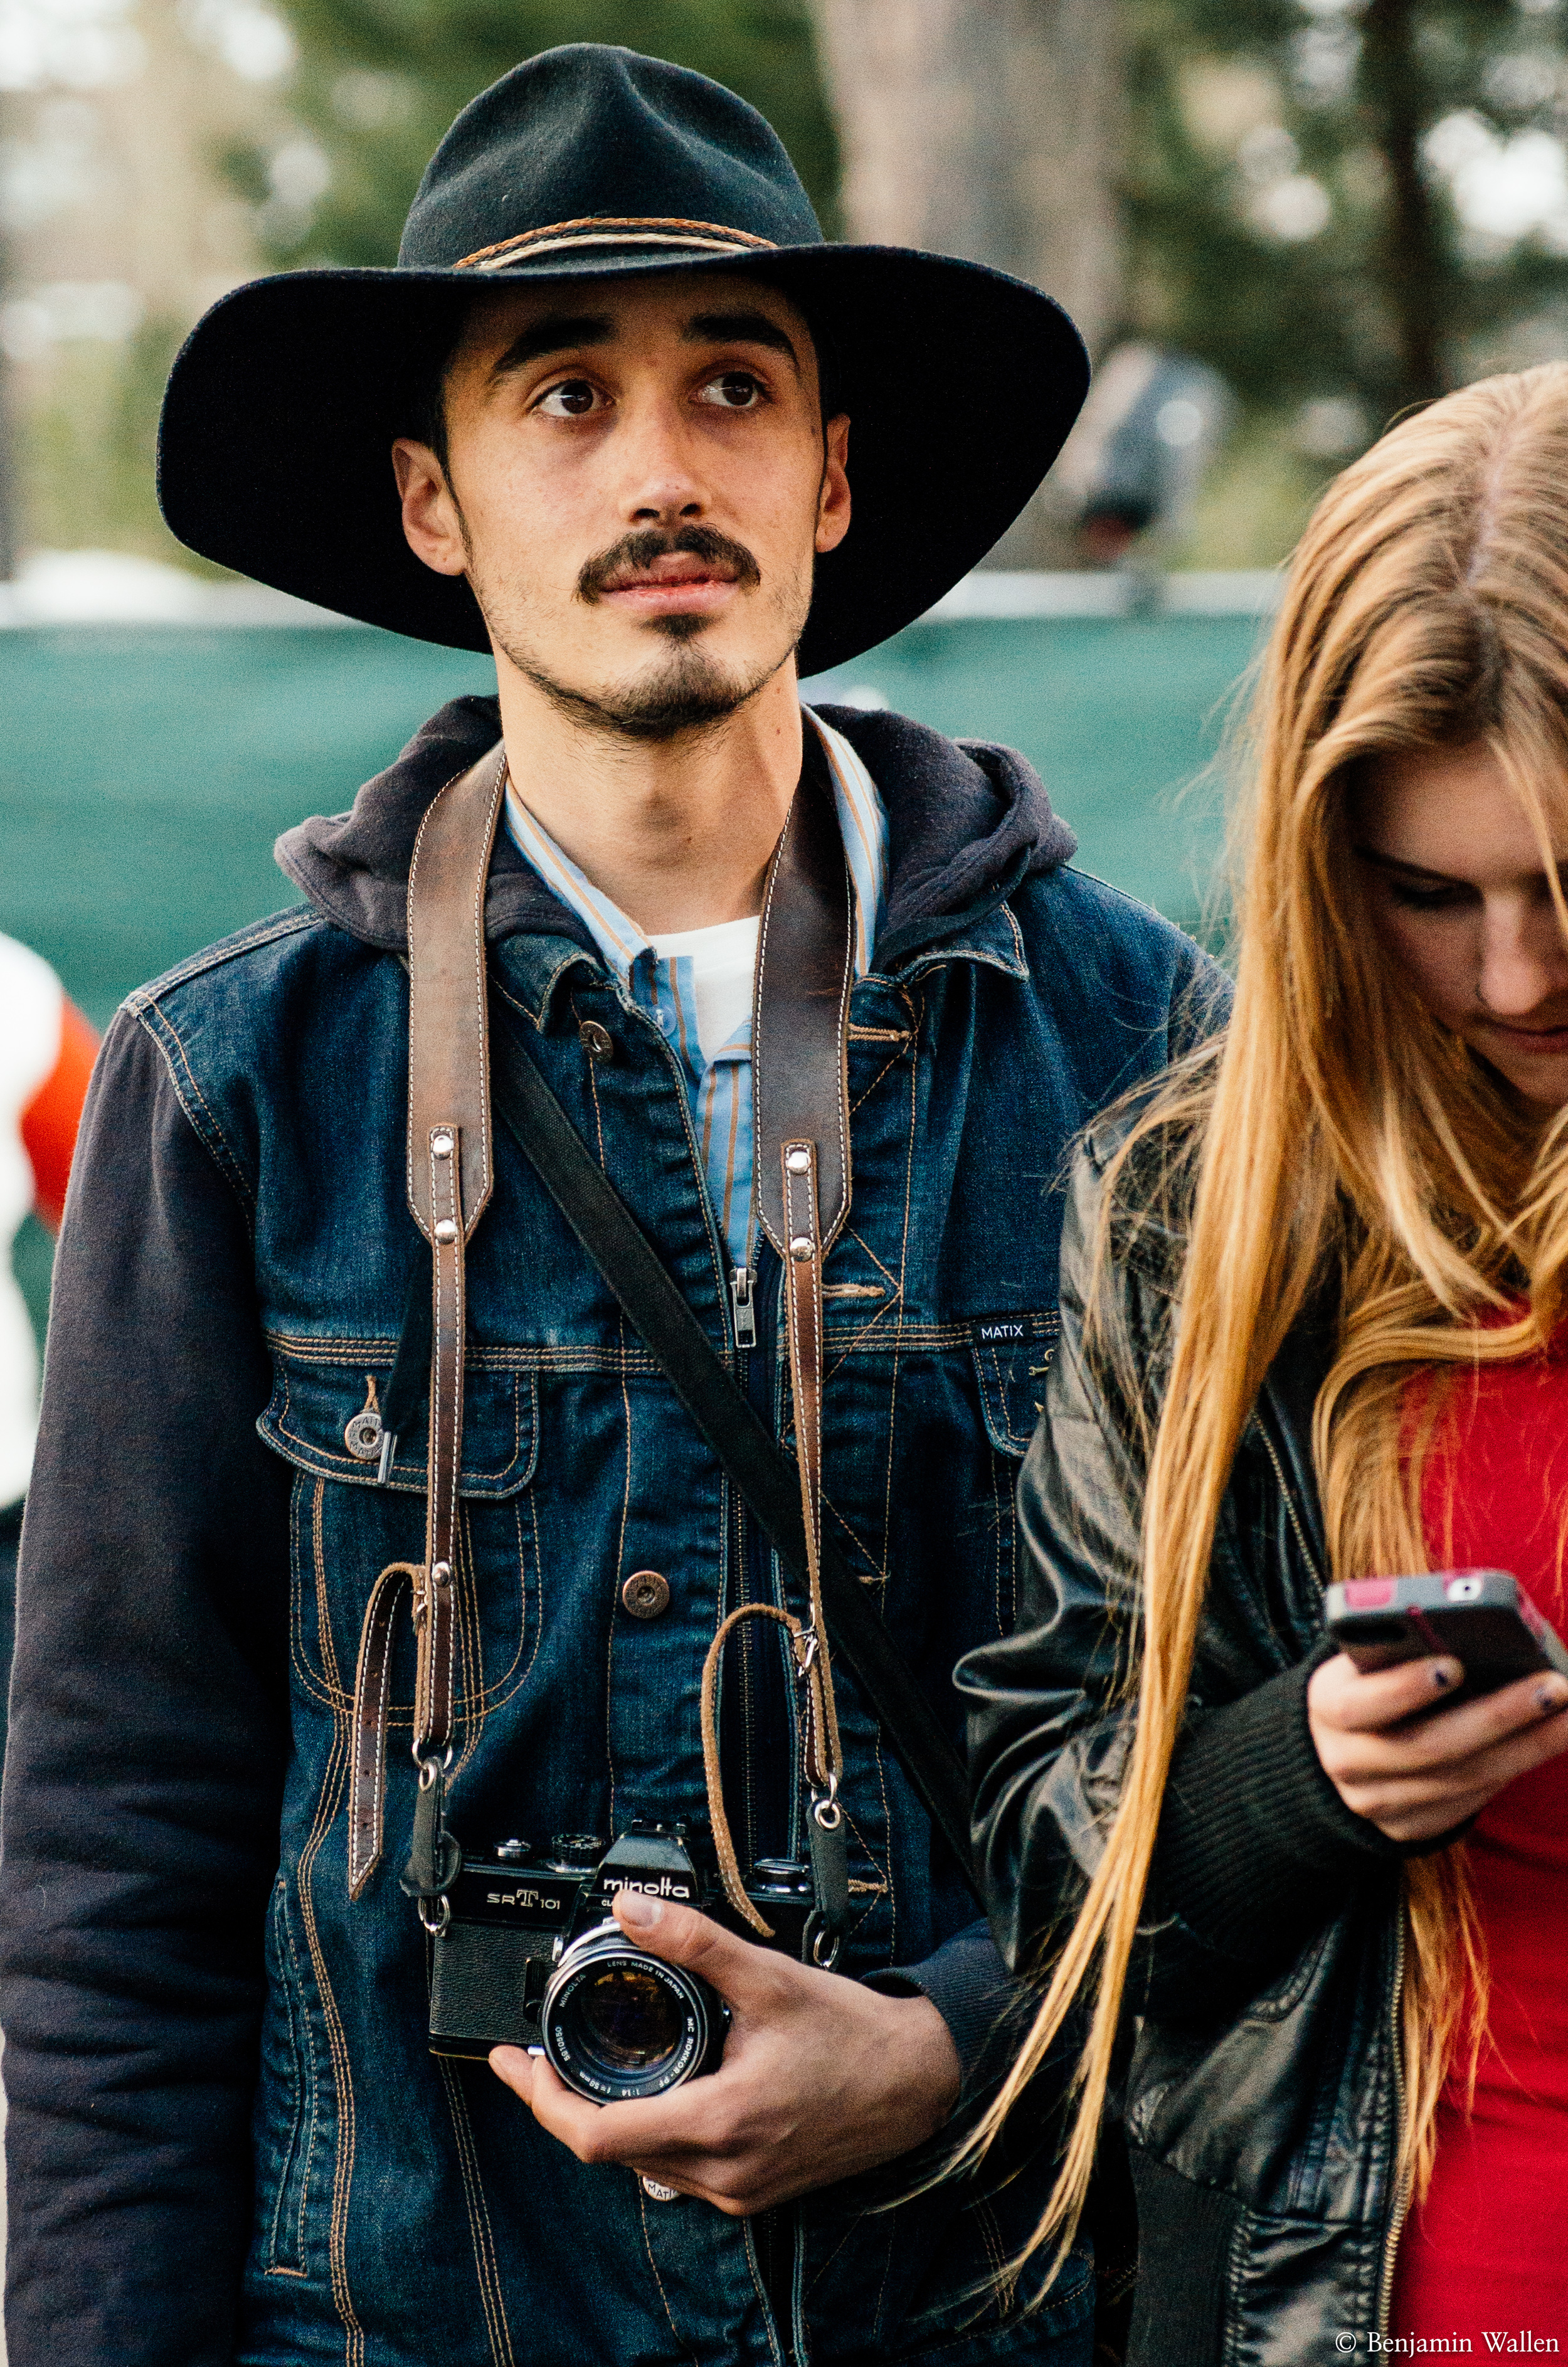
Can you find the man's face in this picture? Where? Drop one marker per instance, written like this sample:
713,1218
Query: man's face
637,481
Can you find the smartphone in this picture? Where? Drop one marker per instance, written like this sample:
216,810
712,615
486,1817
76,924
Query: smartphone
1483,1617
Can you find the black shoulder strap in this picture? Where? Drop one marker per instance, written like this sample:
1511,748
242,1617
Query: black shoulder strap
765,1476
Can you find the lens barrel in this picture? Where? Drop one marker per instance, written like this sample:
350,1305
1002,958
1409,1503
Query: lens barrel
619,2023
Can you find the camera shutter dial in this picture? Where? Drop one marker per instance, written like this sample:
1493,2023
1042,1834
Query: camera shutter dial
646,1593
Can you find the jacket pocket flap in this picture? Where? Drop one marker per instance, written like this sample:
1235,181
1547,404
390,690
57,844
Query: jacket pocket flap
1012,1355
313,1406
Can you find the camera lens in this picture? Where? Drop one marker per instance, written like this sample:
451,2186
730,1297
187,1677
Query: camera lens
617,2023
627,2021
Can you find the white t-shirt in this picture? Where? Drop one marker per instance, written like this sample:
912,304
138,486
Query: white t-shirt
32,1009
724,965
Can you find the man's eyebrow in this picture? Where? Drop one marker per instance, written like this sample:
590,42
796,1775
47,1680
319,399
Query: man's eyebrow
553,335
742,328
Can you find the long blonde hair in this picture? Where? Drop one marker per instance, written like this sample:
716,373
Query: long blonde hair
1340,1135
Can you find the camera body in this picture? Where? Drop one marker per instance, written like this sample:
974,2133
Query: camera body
532,1956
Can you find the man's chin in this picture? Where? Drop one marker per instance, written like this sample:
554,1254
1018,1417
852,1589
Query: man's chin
684,689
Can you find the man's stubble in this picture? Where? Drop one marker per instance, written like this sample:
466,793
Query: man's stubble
684,688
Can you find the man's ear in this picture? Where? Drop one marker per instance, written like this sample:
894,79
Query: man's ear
832,496
431,521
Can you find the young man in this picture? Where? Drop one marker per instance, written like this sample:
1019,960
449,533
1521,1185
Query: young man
616,374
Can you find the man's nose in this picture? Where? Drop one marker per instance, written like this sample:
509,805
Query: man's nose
1523,960
662,483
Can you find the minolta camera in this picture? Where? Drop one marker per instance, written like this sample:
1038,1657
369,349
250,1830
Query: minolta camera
533,1956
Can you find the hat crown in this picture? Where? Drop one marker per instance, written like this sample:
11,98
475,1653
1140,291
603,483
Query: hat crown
587,132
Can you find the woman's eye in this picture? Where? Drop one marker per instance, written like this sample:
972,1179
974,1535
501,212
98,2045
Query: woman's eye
1428,899
732,390
572,398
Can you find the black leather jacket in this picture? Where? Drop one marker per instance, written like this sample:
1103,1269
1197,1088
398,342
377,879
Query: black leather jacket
1262,2094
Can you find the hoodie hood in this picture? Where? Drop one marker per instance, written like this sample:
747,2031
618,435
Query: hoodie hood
967,822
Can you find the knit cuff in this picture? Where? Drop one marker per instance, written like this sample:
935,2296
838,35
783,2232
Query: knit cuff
1254,1838
985,2010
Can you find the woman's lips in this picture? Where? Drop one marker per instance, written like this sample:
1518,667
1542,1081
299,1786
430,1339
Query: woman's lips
1542,1040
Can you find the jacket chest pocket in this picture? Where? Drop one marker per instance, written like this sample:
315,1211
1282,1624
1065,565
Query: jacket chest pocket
347,1526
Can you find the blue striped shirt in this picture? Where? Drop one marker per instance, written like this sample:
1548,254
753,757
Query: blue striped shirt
718,1076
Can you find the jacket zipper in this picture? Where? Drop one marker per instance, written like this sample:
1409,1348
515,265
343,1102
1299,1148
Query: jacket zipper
741,1284
1291,1512
1402,2186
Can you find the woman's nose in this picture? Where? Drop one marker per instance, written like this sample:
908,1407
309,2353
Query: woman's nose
1523,961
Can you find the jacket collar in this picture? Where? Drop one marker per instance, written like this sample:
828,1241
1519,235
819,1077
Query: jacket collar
967,822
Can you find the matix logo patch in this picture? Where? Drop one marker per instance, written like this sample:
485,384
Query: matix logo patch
999,1330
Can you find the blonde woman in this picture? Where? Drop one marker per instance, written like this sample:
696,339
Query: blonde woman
1314,1325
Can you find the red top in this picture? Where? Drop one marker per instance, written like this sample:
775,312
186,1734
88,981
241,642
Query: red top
1488,2251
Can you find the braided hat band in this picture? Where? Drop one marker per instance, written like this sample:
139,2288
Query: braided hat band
614,230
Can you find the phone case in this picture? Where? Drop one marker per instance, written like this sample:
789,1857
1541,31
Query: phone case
1482,1618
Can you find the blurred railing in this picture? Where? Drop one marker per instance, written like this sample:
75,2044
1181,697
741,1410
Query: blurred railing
149,759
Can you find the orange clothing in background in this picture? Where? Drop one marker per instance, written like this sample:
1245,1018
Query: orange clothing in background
49,1120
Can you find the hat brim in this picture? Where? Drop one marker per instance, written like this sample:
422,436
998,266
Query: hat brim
274,447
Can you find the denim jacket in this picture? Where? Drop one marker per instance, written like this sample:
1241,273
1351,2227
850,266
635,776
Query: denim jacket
228,2140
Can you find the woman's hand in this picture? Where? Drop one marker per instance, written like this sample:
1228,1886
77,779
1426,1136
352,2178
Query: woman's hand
1414,1781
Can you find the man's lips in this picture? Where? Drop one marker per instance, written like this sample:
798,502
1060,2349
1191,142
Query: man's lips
678,580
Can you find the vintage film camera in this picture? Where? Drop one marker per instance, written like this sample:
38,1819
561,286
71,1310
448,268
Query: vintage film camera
532,1956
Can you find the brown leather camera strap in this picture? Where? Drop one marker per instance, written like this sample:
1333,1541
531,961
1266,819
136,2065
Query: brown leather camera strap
448,1184
805,968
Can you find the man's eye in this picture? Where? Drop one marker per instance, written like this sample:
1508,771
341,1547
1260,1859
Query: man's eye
572,398
732,390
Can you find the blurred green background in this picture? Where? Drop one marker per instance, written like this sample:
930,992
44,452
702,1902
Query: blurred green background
146,773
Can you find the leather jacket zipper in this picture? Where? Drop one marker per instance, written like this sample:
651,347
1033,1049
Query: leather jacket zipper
1401,2184
1292,1512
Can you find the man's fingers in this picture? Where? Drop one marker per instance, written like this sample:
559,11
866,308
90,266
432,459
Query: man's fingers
687,2123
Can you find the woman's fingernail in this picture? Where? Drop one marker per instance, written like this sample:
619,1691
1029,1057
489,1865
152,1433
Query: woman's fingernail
637,1909
1553,1695
1445,1673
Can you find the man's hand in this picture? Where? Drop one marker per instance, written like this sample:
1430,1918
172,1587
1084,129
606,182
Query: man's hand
1417,1781
821,2078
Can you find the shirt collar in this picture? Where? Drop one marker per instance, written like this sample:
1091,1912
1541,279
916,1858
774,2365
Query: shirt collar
862,822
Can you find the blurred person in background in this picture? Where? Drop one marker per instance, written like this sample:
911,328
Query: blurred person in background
1315,1326
47,1051
659,447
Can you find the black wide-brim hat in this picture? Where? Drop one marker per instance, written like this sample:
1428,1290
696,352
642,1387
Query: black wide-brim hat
274,450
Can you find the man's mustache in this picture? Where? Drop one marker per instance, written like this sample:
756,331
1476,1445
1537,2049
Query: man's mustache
634,553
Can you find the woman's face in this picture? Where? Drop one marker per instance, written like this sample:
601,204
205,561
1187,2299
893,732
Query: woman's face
1460,902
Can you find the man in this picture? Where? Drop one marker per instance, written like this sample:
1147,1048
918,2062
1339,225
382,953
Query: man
617,375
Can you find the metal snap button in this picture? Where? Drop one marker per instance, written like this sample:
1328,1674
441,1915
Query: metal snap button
797,1161
657,2192
362,1435
800,1247
445,1231
441,1145
596,1041
646,1593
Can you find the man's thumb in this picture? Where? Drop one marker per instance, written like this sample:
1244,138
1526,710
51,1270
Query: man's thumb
683,1937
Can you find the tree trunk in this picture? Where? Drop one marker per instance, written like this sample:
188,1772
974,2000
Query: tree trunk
11,504
989,129
1411,264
